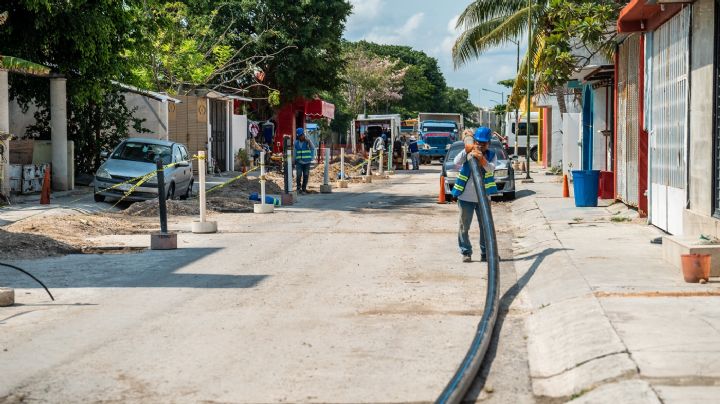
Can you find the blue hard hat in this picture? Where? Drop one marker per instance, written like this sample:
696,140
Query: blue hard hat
482,134
300,131
384,136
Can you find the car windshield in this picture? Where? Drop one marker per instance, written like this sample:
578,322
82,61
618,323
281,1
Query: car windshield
499,150
454,151
143,152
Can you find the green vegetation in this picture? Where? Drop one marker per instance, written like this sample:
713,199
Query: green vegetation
566,35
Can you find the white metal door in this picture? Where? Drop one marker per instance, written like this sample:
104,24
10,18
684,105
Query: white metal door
628,88
668,161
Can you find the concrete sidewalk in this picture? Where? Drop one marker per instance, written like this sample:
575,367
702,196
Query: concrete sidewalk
610,321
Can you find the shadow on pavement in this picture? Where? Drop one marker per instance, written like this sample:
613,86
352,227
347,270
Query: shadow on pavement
506,301
365,202
523,193
151,269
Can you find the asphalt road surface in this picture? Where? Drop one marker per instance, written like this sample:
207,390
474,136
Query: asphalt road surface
355,296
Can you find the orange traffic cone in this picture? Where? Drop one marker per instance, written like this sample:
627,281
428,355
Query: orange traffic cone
45,193
441,196
566,189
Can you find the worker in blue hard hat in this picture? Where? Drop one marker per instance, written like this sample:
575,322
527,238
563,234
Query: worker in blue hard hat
303,157
464,189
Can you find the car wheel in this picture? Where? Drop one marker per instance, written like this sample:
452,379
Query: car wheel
534,154
188,191
509,196
99,198
171,192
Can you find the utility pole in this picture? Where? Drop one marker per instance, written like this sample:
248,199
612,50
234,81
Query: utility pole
502,98
517,107
529,87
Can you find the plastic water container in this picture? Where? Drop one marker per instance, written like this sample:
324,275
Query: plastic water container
585,185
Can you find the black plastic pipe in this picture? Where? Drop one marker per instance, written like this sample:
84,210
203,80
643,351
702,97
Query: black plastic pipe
460,383
30,275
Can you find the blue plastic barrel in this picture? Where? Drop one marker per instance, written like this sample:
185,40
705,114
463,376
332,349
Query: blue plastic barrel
585,185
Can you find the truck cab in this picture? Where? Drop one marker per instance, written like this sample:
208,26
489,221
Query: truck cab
436,135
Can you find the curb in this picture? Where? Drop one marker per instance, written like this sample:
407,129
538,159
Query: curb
572,345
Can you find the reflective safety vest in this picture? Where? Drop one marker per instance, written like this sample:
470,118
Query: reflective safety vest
303,152
464,176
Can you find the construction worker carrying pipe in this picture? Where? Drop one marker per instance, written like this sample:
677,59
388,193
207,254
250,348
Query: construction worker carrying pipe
464,190
303,157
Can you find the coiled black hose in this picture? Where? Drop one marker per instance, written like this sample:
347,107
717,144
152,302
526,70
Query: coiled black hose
466,373
30,275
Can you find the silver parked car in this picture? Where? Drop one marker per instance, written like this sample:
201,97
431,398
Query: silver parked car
504,173
133,159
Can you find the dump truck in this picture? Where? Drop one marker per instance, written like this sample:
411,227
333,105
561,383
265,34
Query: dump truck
437,132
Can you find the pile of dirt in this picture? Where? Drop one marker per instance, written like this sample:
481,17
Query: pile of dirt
238,203
45,236
73,229
317,174
18,246
151,208
243,187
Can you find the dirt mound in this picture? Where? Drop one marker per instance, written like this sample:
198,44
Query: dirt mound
18,246
243,187
45,236
317,174
191,207
73,229
151,208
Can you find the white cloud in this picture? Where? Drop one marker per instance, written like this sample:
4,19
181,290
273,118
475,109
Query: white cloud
451,25
364,14
397,36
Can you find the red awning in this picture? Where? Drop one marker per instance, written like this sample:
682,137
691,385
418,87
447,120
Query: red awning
639,16
319,109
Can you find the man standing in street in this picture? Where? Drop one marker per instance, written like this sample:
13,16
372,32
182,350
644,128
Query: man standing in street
414,153
303,157
464,189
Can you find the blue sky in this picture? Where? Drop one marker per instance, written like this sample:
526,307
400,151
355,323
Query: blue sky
429,25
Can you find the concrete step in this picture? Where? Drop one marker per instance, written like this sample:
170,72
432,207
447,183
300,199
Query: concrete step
674,247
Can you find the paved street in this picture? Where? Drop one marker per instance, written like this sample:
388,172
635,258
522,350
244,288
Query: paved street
360,296
357,296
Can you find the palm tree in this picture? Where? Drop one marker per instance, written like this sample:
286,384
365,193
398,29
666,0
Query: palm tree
487,24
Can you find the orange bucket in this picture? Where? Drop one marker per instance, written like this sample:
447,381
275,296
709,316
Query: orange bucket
695,267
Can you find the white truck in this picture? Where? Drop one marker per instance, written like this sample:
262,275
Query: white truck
512,135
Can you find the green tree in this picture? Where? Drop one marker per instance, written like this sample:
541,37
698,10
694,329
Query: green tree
458,101
424,84
561,29
296,44
181,50
85,41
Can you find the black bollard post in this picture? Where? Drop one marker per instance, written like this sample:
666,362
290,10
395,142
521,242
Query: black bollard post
162,240
161,196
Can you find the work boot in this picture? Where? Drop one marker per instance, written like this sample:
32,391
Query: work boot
467,258
483,258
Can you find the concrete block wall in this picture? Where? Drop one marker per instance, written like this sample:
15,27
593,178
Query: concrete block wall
698,217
